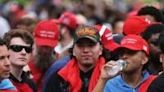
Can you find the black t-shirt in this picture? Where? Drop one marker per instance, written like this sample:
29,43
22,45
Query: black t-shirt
56,84
85,77
157,85
26,80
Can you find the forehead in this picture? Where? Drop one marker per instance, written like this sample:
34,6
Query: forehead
3,50
155,36
123,51
17,41
150,17
126,51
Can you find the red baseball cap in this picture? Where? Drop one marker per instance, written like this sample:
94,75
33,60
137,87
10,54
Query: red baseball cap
69,19
106,37
135,25
46,33
134,42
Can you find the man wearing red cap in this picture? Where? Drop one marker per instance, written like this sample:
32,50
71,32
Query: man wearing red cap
134,51
135,25
46,34
68,24
107,37
108,42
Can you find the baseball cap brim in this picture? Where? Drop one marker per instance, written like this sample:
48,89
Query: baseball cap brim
46,42
86,37
111,45
134,48
130,47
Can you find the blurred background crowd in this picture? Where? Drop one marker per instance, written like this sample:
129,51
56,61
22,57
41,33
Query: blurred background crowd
89,11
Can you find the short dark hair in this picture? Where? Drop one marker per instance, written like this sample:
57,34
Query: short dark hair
152,29
2,42
161,42
22,33
151,10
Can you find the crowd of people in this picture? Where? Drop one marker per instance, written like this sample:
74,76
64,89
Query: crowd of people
74,50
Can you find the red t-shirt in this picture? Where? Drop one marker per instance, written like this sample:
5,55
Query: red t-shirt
37,75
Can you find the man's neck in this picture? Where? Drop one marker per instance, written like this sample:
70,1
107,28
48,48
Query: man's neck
65,41
133,79
17,72
85,69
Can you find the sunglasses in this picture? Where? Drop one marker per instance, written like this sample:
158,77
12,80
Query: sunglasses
18,48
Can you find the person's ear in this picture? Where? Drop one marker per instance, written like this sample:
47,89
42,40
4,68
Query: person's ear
144,59
73,51
161,58
101,50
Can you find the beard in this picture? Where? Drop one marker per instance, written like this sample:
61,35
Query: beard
87,64
44,59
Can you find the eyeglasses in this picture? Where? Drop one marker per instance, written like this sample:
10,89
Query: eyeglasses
18,48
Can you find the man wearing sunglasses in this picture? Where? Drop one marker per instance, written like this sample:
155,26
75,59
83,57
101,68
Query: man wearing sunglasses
20,43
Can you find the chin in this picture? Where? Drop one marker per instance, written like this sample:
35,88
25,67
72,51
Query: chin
87,64
6,76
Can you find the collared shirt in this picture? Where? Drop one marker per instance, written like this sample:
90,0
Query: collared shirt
25,85
60,49
117,84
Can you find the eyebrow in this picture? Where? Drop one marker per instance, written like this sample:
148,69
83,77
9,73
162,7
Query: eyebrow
2,57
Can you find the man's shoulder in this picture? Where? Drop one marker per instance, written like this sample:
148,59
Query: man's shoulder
55,83
52,71
157,85
114,85
115,81
159,80
6,84
62,61
57,65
